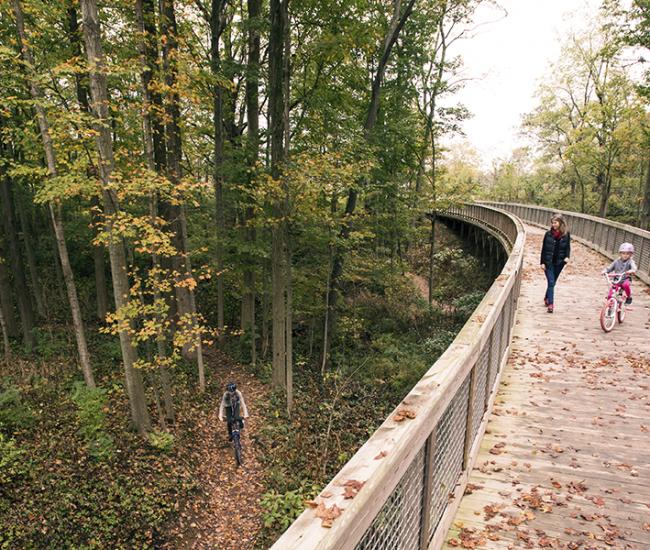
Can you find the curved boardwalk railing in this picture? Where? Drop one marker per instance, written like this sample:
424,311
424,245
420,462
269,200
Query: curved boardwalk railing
602,235
414,471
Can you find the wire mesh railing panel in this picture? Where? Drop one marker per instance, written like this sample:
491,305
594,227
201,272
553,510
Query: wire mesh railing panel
504,328
588,233
643,256
495,355
609,235
601,232
478,406
511,314
448,454
621,237
397,525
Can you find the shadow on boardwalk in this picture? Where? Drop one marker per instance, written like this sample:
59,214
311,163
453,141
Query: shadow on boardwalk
565,462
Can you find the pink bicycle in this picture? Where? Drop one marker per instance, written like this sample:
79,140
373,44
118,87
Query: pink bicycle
614,305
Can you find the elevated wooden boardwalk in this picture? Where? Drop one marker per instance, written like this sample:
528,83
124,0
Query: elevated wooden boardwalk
565,462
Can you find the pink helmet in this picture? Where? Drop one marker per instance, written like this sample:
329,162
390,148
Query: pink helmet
626,247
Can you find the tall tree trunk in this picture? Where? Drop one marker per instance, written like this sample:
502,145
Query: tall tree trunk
171,212
397,23
16,262
278,303
5,336
185,301
264,344
217,23
104,140
99,261
146,15
252,110
289,326
277,122
605,184
432,251
645,211
81,87
6,292
153,131
55,208
37,288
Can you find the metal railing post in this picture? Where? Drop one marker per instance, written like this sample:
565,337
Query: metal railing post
429,466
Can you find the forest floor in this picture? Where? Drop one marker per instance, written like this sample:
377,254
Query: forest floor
226,513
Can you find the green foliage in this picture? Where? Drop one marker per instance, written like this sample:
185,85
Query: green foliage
163,441
465,305
15,415
437,344
12,464
50,345
280,509
91,406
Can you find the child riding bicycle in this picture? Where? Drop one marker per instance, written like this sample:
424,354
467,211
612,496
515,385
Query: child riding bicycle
623,265
233,404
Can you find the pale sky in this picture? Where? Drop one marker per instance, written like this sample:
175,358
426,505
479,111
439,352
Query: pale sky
507,56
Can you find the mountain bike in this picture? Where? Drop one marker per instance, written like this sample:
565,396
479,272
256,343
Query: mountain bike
237,427
614,305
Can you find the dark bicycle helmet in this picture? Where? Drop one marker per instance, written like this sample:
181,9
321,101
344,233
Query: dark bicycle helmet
231,387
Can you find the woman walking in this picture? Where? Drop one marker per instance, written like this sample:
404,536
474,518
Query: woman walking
556,250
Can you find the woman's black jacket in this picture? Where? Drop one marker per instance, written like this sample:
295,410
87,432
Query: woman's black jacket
555,251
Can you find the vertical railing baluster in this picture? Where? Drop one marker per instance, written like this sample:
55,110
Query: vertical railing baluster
470,416
429,466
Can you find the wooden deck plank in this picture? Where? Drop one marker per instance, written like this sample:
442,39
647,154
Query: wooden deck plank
573,410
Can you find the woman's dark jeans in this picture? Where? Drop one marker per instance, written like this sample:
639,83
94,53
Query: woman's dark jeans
552,274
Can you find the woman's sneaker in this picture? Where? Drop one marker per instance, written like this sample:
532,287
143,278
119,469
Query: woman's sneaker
550,308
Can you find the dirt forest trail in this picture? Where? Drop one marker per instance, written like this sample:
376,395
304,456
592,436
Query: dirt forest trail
565,462
226,514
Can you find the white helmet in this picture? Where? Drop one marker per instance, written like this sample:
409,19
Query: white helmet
626,247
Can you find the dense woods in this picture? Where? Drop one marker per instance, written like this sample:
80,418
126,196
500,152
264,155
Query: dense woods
188,184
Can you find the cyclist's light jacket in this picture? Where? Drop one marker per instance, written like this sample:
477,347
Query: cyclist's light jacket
225,402
620,266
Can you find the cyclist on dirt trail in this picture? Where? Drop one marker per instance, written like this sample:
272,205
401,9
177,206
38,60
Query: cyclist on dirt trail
233,404
623,264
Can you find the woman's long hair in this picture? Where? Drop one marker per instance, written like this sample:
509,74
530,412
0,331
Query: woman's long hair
563,228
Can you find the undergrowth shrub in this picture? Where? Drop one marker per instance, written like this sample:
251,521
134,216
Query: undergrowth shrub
15,415
12,465
280,509
438,343
163,441
91,403
465,305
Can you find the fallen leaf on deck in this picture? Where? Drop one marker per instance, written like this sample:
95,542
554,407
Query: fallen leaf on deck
471,487
328,515
403,414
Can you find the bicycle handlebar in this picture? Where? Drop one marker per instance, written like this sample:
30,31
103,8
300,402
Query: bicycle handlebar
612,277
